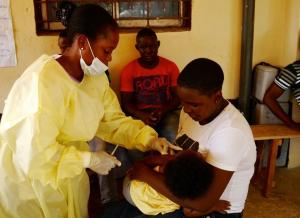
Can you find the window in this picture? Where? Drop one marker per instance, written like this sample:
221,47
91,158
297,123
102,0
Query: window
130,14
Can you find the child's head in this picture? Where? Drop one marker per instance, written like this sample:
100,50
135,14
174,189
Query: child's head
199,87
188,175
147,45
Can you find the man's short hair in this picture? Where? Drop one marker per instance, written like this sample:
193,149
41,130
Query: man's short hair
145,32
202,74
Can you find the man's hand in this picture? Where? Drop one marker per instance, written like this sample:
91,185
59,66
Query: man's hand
148,118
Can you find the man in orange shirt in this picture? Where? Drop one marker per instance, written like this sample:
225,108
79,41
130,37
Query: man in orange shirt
148,87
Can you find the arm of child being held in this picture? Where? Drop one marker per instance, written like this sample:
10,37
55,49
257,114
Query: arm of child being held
143,168
157,160
221,206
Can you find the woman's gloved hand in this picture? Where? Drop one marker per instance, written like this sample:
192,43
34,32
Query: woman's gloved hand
101,162
163,146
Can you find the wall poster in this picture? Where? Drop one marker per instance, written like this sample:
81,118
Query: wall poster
7,44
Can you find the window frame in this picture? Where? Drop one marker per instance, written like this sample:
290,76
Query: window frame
54,27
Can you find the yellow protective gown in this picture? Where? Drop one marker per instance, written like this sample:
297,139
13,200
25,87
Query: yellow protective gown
47,119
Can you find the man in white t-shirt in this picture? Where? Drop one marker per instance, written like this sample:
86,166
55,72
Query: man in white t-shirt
214,127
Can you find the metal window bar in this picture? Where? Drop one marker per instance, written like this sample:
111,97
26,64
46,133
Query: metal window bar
180,19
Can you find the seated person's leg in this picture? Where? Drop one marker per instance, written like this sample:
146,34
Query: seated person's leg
108,187
168,126
175,214
121,209
222,215
135,155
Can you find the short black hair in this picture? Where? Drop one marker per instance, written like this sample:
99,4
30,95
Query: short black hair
91,20
188,175
202,74
145,32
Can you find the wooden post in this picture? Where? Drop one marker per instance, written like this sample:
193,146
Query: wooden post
258,163
271,165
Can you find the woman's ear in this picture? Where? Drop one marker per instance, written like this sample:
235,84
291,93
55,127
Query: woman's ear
82,42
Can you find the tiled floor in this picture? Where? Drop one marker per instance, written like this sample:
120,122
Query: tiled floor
283,202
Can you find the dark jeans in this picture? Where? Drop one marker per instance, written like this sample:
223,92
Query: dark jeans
168,126
229,215
122,209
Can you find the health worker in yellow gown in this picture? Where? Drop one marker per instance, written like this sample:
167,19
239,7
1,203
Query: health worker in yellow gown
50,113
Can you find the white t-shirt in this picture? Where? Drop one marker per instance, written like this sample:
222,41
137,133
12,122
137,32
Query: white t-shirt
227,143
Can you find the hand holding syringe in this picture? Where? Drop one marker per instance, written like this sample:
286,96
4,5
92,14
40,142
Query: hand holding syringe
113,152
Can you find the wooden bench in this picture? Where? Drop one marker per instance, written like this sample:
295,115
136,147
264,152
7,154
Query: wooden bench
275,133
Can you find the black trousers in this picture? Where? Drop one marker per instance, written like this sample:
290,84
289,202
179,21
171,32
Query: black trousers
221,215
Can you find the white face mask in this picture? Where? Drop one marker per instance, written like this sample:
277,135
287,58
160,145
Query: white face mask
96,67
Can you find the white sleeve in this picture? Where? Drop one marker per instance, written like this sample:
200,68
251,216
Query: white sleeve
227,148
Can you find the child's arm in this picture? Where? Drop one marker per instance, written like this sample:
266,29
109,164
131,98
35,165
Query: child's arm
148,164
157,160
145,169
221,206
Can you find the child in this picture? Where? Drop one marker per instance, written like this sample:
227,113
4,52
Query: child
186,175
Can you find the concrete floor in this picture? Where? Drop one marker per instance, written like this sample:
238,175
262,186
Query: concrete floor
283,202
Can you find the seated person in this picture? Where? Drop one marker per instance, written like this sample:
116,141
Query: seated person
216,129
148,87
187,175
288,78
